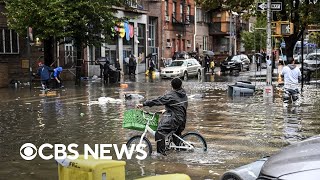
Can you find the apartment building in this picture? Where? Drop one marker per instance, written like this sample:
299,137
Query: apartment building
177,26
225,31
203,40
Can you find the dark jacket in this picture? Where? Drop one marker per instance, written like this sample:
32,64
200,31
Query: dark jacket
44,73
131,61
176,103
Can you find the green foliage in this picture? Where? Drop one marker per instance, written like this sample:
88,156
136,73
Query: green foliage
314,37
299,12
256,40
83,20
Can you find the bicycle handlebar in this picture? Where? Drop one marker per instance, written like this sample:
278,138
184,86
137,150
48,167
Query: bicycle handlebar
152,113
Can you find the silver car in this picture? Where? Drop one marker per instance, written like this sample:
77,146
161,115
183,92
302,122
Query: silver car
183,68
312,62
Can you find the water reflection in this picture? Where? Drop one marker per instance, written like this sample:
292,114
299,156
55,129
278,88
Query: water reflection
237,131
292,124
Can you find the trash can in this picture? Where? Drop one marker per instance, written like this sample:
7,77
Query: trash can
239,91
114,76
167,177
91,169
245,85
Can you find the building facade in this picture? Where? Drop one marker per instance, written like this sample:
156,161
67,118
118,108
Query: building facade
177,27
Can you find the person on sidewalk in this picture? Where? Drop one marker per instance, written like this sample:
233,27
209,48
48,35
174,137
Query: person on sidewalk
292,75
56,77
175,115
269,63
212,66
106,72
207,63
131,65
44,73
258,61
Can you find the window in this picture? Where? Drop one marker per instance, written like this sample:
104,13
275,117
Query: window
9,42
166,8
206,17
188,13
141,38
131,3
181,12
152,32
205,43
199,15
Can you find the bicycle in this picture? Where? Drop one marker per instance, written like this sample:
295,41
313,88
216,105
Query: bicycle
187,142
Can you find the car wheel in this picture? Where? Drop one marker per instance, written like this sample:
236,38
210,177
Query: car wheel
248,68
230,176
185,76
199,75
222,69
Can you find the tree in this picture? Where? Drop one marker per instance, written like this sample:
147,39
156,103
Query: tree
300,12
255,40
84,21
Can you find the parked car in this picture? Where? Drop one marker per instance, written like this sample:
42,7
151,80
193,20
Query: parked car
183,68
180,55
312,62
295,162
237,62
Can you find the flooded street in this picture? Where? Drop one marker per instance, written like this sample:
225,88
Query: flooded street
238,131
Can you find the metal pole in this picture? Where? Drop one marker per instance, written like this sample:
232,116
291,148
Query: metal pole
28,55
316,71
269,45
230,33
302,62
254,55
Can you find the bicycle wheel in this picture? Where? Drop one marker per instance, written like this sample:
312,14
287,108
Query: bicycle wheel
136,139
196,140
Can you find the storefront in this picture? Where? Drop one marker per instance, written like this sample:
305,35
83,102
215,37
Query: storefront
132,42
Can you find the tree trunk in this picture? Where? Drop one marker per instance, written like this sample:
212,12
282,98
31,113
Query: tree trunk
48,45
290,43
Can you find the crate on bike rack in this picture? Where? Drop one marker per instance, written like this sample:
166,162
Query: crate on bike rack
133,119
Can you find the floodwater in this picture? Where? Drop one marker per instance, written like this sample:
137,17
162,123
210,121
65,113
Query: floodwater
238,131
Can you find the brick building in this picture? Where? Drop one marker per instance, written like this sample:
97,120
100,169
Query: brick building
14,59
177,26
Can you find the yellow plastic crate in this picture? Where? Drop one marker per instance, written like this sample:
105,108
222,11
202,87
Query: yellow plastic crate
92,169
167,177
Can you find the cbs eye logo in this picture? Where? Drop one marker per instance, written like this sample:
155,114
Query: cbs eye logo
28,151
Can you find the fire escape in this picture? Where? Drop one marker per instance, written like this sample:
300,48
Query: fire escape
182,22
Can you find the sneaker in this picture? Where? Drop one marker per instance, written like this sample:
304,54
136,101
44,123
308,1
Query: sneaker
285,105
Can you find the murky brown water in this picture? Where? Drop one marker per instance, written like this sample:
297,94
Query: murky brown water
238,131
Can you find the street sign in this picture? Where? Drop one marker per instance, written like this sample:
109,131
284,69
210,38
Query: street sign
275,6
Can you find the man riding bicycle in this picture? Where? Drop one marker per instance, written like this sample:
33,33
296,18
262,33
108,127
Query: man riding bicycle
175,115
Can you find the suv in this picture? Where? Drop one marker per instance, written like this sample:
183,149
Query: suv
237,62
182,68
297,161
312,62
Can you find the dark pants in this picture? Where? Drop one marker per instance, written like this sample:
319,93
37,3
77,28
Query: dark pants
164,130
106,77
290,94
258,66
45,84
131,70
58,85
